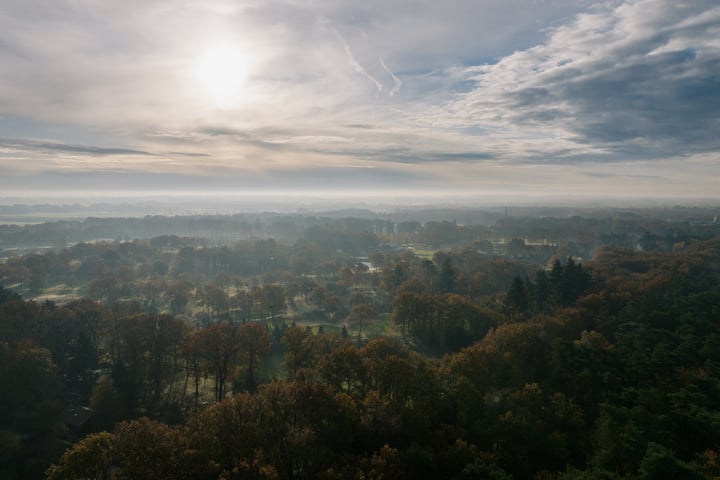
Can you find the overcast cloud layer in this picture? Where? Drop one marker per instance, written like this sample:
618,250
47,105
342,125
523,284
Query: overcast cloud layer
495,97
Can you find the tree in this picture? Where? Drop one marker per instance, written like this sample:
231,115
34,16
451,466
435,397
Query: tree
133,337
91,458
361,315
660,462
318,296
214,299
299,351
146,448
106,402
190,352
358,297
217,345
178,294
392,276
407,307
448,275
253,343
272,300
352,274
164,350
30,422
344,369
517,296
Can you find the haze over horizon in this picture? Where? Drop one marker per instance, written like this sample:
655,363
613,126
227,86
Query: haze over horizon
531,99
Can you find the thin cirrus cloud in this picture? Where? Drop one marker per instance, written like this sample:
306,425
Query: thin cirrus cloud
543,96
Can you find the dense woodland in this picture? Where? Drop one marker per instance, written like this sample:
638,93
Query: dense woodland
363,348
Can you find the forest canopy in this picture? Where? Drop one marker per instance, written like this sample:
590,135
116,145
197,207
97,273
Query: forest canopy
262,359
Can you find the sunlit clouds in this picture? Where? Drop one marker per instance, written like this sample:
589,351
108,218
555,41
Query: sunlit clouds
556,97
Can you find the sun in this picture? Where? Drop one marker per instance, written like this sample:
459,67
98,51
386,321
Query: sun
221,72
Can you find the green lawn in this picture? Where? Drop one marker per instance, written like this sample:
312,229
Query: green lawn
61,293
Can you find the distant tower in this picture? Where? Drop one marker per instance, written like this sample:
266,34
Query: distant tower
506,211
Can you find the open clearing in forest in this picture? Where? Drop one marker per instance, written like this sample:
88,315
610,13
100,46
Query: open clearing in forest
422,251
61,293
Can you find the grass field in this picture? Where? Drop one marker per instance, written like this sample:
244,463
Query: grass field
422,251
60,294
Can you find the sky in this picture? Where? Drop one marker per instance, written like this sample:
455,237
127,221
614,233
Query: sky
489,97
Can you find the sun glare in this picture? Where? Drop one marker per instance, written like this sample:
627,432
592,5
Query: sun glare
222,74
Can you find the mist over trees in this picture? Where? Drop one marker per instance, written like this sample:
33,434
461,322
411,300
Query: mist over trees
558,347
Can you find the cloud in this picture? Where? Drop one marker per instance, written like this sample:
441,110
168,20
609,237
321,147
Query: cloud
500,92
397,83
127,65
356,66
635,81
188,154
53,147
